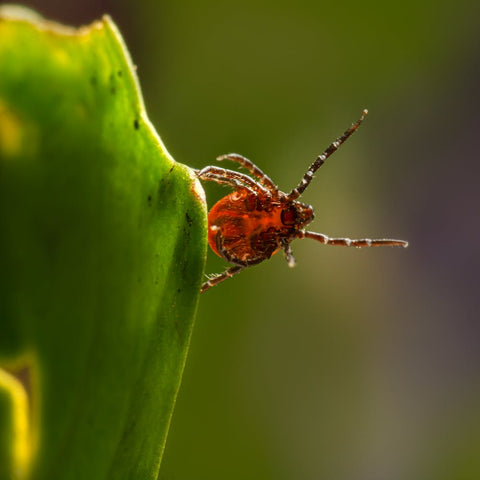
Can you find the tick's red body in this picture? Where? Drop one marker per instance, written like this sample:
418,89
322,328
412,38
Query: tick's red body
257,219
251,228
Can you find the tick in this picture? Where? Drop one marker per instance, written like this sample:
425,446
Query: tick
257,219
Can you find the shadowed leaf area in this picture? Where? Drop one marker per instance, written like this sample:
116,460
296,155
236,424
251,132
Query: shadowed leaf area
102,251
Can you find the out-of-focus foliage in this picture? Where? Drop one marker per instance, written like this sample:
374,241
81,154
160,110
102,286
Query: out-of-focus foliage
102,251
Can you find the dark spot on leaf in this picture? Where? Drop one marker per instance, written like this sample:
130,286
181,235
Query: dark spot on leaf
188,219
164,187
119,73
136,125
177,328
129,429
171,170
150,200
113,90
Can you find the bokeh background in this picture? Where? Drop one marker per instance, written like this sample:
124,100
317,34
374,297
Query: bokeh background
357,364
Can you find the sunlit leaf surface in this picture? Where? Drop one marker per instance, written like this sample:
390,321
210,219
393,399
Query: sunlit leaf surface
102,251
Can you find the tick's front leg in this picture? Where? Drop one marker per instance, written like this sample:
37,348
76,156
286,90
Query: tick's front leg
350,242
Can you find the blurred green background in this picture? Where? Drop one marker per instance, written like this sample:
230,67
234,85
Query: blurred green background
357,364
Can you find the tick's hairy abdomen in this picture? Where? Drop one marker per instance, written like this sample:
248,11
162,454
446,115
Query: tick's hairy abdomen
248,229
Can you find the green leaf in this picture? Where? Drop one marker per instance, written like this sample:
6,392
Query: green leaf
102,250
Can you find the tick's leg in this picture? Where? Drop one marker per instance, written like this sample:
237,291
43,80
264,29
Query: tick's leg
221,277
307,178
287,248
263,178
225,181
231,174
347,242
